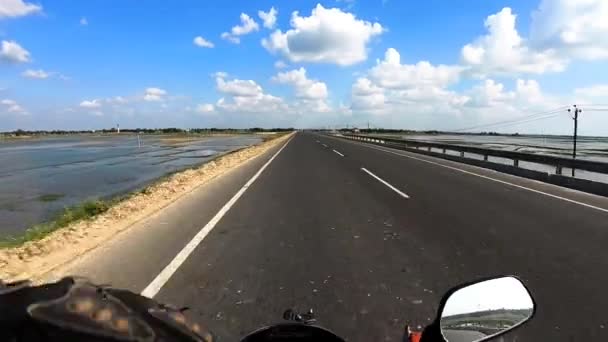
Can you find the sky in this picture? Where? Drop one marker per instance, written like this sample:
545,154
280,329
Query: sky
494,294
444,65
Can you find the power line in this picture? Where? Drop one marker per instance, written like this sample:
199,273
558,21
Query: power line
515,121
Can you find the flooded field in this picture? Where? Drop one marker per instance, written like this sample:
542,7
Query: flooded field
590,148
39,177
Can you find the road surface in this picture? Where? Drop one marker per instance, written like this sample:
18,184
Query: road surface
370,238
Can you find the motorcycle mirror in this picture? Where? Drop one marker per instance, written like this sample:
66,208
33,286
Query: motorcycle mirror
484,309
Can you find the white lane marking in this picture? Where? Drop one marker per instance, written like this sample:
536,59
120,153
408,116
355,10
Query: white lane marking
161,279
340,154
318,141
385,183
324,145
494,179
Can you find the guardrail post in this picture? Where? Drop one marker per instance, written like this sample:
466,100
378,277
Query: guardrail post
558,170
462,154
444,151
485,157
516,162
429,149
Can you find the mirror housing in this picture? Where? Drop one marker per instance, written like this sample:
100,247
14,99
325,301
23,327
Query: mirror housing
481,310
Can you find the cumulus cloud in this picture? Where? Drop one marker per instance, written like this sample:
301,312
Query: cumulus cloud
503,51
326,36
366,95
202,42
304,87
36,74
247,26
577,29
154,94
311,94
246,96
390,73
17,8
13,53
269,18
12,106
96,103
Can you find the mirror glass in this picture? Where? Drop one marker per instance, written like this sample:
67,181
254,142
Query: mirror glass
484,309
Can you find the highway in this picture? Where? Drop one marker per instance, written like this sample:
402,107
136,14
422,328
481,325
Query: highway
370,238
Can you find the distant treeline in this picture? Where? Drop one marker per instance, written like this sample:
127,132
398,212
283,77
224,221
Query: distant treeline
169,130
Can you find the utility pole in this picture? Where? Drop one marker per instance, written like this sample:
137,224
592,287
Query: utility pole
576,111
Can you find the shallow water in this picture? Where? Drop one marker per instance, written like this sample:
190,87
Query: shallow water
38,178
588,148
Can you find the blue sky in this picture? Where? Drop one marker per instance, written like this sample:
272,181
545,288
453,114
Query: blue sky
403,64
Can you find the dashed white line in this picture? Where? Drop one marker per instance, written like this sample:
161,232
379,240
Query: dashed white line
493,179
163,277
338,153
385,183
318,141
324,145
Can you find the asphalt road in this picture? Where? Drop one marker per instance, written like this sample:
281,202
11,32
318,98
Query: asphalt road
319,229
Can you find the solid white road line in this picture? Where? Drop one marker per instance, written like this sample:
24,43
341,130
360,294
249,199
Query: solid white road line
340,154
492,179
385,183
161,279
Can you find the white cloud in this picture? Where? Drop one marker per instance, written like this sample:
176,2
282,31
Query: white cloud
390,73
366,95
597,91
84,21
246,96
326,36
117,100
236,87
311,94
202,42
269,18
36,74
154,94
205,108
13,52
96,103
503,51
247,26
13,107
577,29
280,64
17,8
304,87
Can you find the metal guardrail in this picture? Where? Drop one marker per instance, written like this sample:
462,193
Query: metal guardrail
557,162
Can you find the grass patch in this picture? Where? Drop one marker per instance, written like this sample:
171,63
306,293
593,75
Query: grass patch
50,197
85,210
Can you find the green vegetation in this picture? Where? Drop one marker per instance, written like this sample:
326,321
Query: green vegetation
85,210
50,197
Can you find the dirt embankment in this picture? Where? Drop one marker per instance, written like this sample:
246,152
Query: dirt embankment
35,258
